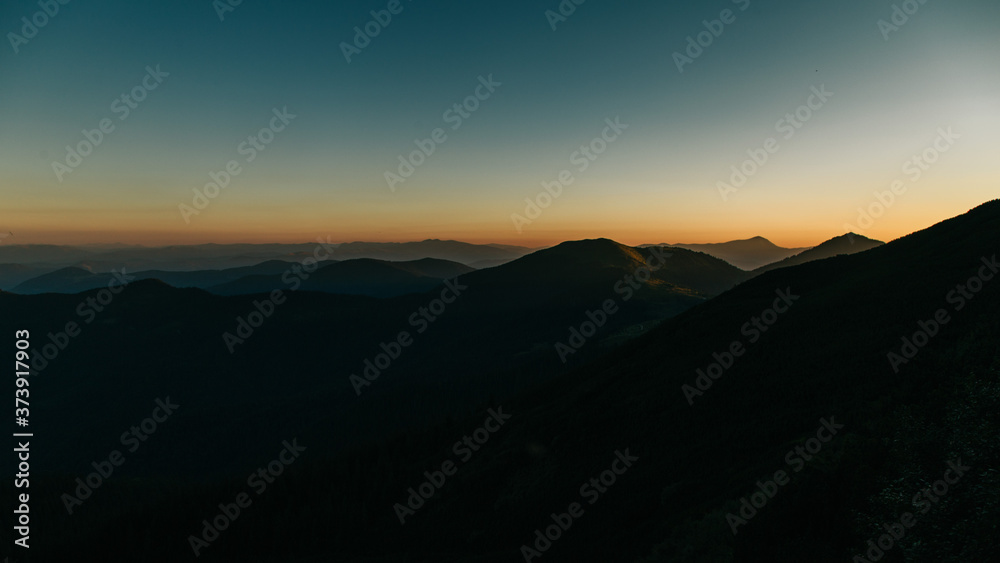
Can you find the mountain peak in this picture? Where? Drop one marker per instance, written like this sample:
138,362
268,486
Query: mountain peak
849,243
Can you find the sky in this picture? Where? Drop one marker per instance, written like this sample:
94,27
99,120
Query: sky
187,89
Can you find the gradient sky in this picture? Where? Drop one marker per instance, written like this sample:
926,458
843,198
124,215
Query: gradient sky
324,174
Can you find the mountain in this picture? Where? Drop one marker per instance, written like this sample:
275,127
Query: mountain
13,274
49,254
104,258
745,254
355,277
361,276
490,332
845,244
205,279
63,280
606,259
75,280
454,251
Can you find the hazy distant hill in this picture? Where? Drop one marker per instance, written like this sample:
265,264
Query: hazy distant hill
361,276
205,279
63,280
845,244
13,274
74,280
745,254
48,254
455,251
356,277
104,258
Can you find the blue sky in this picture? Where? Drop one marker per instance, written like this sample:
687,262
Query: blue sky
324,174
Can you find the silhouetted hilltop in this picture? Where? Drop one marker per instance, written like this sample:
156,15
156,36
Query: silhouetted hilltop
845,244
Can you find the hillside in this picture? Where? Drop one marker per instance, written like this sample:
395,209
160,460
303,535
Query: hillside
845,244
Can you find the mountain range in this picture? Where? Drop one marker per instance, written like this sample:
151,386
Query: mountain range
747,254
796,349
360,274
19,263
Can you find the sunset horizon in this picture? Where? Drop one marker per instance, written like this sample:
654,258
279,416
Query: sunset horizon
881,228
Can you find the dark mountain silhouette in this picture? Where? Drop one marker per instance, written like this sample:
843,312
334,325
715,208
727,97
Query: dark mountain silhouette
844,244
13,274
104,258
825,357
353,277
63,280
205,279
75,280
698,273
745,254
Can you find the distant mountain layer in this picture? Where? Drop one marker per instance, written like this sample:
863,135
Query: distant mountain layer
375,278
694,273
104,258
13,274
362,276
746,254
